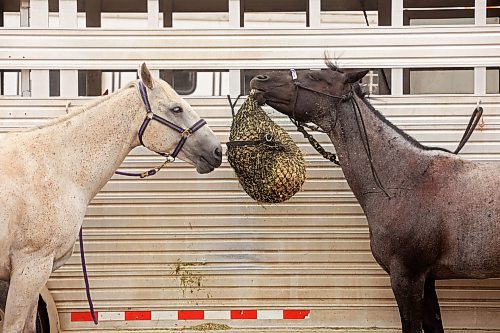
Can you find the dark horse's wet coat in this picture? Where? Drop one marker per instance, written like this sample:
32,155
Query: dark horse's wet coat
432,215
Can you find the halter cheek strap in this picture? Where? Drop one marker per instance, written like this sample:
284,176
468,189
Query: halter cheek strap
185,132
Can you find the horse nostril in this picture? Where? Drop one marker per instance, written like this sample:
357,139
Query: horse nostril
218,153
262,77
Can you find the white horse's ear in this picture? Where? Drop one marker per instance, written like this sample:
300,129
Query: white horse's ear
145,76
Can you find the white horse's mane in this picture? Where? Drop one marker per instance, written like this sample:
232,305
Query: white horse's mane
78,109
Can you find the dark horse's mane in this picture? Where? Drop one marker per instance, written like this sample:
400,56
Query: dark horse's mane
361,94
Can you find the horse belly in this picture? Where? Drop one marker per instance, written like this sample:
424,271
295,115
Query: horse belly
473,249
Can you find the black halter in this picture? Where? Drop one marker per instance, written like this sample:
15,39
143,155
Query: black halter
302,125
347,97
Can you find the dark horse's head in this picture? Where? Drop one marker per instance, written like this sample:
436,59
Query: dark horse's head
306,95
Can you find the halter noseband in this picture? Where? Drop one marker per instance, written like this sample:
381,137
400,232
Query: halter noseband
185,132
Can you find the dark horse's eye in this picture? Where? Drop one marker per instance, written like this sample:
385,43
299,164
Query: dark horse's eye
176,109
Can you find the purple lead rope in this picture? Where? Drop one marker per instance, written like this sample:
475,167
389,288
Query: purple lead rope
86,278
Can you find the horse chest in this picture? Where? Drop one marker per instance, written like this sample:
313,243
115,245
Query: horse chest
401,232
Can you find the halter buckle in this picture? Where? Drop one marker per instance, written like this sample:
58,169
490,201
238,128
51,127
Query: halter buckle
186,133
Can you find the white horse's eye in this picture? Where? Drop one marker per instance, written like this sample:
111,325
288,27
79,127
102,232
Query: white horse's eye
176,109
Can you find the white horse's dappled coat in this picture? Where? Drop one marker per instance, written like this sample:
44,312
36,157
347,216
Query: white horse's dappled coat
49,174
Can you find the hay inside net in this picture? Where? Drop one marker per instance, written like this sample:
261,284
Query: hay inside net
268,163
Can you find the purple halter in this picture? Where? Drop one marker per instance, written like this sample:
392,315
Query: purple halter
185,132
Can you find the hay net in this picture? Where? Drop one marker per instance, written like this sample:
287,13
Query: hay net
269,165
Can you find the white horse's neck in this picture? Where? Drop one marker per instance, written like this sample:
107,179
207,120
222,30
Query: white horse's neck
92,143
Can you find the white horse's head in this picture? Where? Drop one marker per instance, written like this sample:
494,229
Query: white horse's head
174,128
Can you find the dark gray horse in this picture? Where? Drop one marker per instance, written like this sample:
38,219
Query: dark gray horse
432,215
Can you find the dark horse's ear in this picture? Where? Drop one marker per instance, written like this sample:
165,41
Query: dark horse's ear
353,77
146,76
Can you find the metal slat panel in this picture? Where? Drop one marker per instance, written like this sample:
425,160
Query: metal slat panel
406,47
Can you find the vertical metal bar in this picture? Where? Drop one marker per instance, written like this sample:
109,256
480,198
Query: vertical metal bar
24,13
397,13
40,83
2,83
236,20
69,83
220,84
480,12
39,13
314,13
397,81
153,13
113,83
234,82
480,80
93,10
234,14
25,83
213,83
68,17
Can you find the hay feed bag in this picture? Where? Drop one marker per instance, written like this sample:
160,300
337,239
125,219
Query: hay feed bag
269,165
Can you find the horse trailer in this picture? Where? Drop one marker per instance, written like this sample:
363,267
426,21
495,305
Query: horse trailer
182,251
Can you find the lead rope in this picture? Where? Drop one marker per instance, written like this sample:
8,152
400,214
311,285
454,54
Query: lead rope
366,144
148,173
474,120
86,278
332,157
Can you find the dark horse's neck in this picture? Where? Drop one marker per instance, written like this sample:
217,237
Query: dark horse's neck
397,160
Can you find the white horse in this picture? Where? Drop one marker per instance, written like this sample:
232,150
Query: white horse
50,173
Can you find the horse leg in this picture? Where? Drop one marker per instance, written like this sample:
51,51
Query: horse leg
26,281
409,292
30,325
432,315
